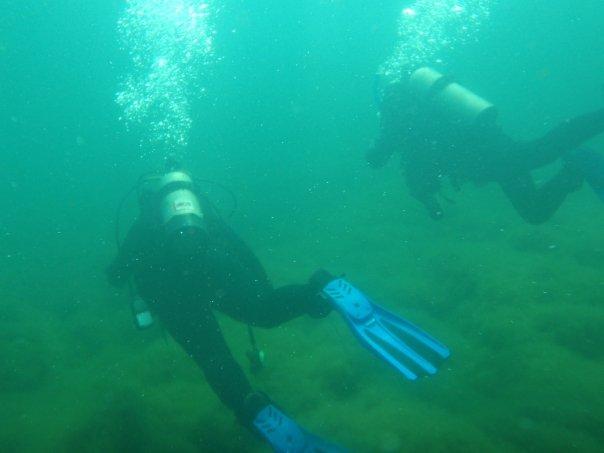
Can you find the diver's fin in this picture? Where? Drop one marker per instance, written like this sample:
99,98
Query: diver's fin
406,347
286,436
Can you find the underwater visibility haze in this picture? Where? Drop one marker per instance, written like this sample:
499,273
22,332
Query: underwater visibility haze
271,106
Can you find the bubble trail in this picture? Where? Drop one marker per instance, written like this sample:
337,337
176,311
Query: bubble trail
429,28
169,43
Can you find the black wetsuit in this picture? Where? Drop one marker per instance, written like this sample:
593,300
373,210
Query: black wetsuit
434,146
221,274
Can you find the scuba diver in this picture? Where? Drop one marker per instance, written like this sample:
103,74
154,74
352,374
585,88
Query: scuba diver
185,262
443,129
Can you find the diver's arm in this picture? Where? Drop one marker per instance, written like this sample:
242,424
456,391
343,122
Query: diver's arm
424,185
396,115
432,206
122,266
393,137
380,152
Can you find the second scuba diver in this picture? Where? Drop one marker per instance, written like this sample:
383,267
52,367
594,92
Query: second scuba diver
186,262
442,129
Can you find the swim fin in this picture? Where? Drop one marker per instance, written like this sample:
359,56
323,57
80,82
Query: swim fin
286,436
403,345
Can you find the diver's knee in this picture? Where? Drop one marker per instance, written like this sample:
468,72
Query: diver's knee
535,217
264,322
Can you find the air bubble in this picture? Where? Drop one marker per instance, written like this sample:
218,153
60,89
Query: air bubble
169,43
437,26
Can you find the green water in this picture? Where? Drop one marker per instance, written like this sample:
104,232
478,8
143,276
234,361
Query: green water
286,119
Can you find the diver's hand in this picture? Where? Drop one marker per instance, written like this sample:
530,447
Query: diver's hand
433,207
377,156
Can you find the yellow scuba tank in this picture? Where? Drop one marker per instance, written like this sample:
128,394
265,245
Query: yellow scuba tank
455,102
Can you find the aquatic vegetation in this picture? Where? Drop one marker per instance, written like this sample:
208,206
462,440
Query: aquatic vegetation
119,425
24,366
582,332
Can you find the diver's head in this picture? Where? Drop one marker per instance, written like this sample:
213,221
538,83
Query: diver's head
172,163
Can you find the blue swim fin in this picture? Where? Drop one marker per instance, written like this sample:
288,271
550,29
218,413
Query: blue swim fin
403,345
286,436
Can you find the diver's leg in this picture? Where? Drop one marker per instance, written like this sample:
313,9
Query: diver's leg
276,306
538,204
196,330
561,140
590,164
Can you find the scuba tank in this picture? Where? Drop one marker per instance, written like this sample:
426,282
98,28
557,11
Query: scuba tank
456,102
170,201
179,207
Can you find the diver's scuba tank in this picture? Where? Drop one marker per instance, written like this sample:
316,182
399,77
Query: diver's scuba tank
179,207
170,199
455,102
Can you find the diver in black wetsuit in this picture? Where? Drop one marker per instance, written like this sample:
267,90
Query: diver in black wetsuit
442,129
186,262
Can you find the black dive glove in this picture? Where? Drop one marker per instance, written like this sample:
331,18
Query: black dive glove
433,207
377,156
